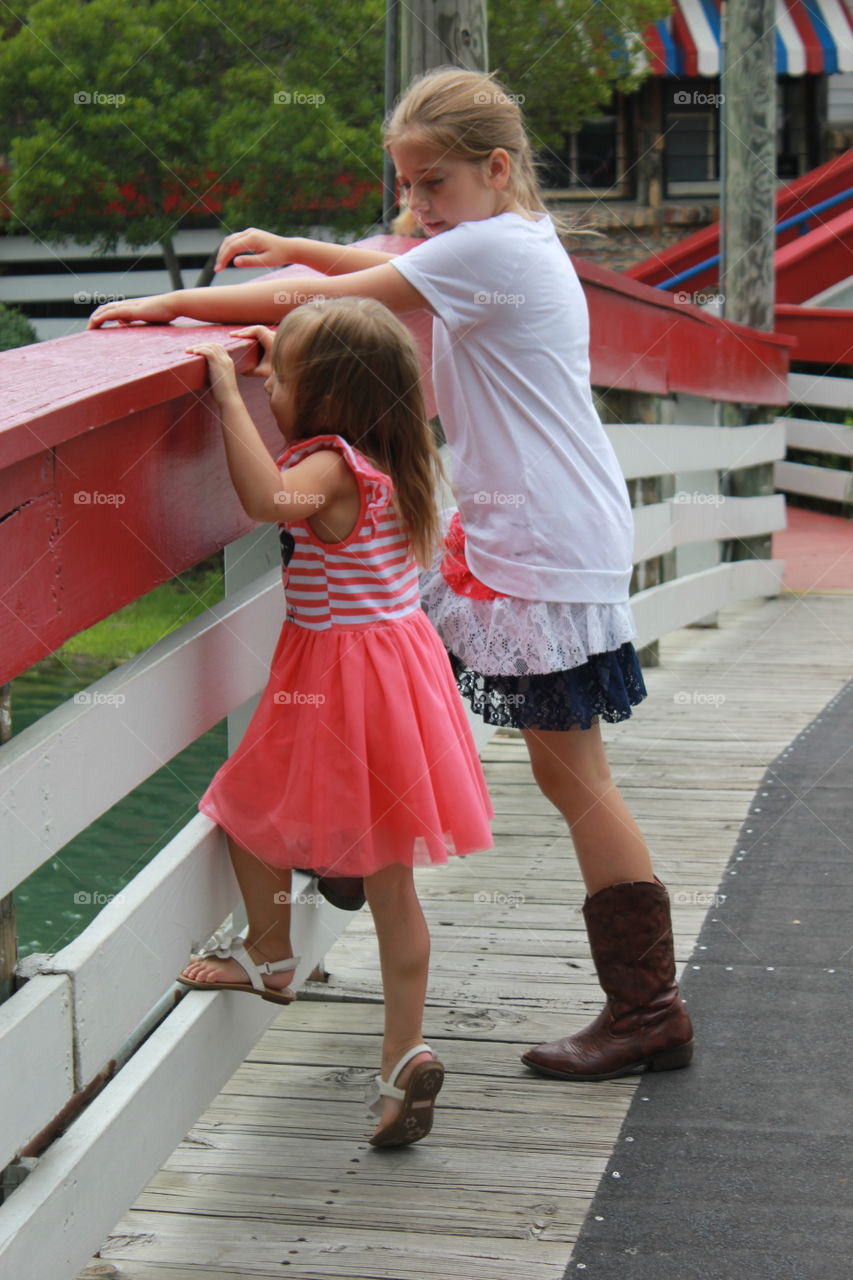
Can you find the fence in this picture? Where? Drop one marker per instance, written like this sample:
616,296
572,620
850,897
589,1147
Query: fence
125,413
830,478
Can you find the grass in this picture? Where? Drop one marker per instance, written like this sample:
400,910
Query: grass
145,621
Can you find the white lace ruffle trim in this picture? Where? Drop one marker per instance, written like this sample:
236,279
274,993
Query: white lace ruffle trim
512,637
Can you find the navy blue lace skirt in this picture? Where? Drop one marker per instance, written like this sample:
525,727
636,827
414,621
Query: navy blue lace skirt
607,685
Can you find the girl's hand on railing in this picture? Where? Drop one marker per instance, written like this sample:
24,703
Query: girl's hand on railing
264,336
159,309
254,248
220,367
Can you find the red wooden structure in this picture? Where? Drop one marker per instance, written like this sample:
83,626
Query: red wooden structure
112,470
814,262
824,335
828,180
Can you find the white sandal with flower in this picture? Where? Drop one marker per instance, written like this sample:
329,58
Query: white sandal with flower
227,945
414,1119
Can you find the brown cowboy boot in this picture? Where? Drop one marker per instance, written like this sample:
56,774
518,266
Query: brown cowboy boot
644,1025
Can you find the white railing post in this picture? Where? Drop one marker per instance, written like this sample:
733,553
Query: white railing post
247,559
827,482
697,487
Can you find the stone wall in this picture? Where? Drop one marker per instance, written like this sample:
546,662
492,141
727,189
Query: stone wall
628,233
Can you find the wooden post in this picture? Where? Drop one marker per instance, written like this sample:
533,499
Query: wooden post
436,33
748,83
649,143
392,89
8,931
420,35
748,210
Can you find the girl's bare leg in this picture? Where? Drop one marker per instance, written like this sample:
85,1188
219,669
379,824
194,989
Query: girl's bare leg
404,959
266,893
571,769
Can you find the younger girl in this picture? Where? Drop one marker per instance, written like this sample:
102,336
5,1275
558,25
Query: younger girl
531,595
358,760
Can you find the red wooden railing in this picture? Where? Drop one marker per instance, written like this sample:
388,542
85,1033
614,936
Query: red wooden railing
823,335
112,472
814,262
819,184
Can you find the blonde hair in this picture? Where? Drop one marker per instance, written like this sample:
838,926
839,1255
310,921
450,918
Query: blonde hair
406,224
355,373
466,115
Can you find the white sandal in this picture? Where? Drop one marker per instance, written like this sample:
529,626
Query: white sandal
231,946
414,1120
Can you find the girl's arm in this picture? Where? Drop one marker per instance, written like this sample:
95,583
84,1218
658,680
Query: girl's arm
255,248
264,301
267,494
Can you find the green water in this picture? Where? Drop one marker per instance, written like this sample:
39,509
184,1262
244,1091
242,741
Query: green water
57,902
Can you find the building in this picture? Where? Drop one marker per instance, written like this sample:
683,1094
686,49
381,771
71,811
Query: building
662,143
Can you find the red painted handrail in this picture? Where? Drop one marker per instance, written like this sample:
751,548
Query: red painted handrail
112,470
643,340
818,184
814,262
824,335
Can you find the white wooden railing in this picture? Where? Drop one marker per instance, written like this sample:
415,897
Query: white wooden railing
831,482
699,517
105,1005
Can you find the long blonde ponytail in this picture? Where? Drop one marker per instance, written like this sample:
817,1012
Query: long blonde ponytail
467,114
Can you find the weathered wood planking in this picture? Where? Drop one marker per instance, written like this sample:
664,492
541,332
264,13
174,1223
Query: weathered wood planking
213,1247
278,1171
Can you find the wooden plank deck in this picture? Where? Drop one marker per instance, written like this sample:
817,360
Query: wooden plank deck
276,1178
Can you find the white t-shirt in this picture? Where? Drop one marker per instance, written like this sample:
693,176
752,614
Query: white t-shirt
540,493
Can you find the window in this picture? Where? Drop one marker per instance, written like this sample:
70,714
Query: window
692,131
692,112
591,161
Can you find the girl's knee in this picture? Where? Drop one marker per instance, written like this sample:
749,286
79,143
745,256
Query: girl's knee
393,883
569,765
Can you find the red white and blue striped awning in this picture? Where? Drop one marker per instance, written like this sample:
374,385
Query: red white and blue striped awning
812,37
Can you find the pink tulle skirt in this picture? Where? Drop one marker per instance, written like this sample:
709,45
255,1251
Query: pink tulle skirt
359,755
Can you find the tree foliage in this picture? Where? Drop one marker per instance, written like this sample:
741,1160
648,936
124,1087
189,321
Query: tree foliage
128,118
565,58
15,329
132,118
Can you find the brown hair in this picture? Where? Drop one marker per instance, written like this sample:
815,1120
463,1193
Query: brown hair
356,375
466,115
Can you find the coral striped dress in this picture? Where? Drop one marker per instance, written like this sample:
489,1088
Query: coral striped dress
359,753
